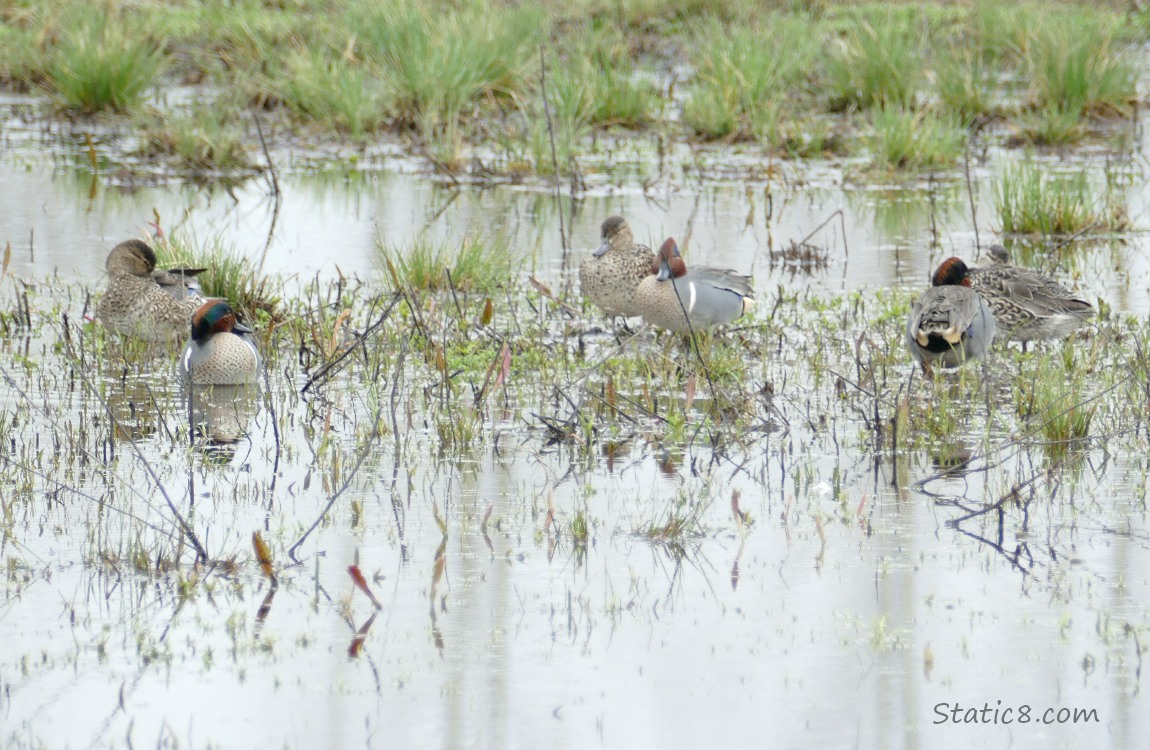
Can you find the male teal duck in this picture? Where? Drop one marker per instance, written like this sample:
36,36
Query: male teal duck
221,350
1026,304
609,276
144,301
674,298
950,323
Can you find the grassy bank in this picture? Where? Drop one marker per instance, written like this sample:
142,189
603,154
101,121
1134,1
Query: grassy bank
513,78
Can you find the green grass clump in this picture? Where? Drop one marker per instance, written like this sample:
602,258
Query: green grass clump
903,139
876,62
202,139
18,59
597,81
965,82
331,92
230,274
744,74
527,140
99,65
1076,64
1052,125
246,37
1001,31
476,264
440,61
1032,200
1055,400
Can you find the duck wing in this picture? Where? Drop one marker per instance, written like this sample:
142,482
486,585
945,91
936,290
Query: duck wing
943,312
723,278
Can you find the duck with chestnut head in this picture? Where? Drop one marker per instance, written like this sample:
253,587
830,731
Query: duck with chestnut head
950,323
221,350
679,299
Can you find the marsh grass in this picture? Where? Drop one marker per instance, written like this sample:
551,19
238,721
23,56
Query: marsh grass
230,274
679,521
744,75
202,139
439,62
98,65
475,263
1051,125
1076,64
907,140
1001,31
332,93
876,62
1055,401
1030,199
965,82
246,37
596,81
19,61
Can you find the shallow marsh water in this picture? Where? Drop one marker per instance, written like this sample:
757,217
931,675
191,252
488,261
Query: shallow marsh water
844,613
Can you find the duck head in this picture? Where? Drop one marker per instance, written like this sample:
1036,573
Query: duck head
951,271
614,232
215,316
668,263
132,257
998,255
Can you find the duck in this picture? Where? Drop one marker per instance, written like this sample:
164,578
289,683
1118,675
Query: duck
221,350
609,276
674,298
950,323
1027,305
144,301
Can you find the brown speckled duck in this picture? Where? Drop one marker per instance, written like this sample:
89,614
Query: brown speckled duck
950,323
1026,304
708,296
610,275
144,301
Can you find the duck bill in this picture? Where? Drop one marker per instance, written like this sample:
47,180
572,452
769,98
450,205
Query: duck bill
602,249
664,271
239,327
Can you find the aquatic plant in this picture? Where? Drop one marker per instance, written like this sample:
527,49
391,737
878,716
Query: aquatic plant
876,62
438,62
743,75
903,139
1031,199
1075,64
202,139
98,65
331,92
965,82
474,263
596,80
1051,125
230,274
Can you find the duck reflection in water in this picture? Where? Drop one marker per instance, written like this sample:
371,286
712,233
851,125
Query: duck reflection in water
220,415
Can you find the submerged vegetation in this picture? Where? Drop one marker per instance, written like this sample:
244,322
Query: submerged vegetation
457,77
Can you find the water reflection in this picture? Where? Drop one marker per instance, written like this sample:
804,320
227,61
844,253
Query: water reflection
220,414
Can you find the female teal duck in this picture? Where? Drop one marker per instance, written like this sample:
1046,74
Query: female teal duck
950,323
221,350
1026,304
676,299
143,301
609,276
